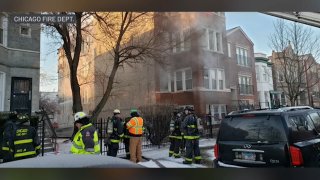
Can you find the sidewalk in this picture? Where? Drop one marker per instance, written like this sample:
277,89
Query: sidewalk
159,158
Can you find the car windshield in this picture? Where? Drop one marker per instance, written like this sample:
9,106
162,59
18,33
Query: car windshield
253,128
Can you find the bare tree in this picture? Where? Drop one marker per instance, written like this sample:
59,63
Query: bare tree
72,40
48,104
295,65
129,38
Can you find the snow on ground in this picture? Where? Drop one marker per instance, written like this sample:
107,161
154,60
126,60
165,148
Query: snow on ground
159,157
149,164
206,143
162,157
210,154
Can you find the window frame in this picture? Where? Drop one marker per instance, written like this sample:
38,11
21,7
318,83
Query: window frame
213,75
242,56
245,80
280,75
29,29
2,29
173,81
222,109
229,50
184,45
300,130
214,40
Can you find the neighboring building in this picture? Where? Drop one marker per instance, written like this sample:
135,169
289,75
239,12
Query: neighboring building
242,70
264,80
212,70
301,66
19,65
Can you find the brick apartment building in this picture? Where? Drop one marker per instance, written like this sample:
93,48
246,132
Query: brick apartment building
216,75
213,71
310,83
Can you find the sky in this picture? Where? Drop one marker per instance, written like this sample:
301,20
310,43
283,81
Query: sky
257,26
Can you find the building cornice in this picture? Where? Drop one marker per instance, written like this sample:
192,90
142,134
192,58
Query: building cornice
17,66
22,50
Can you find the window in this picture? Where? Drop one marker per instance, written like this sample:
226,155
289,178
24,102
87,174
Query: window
280,77
229,50
258,128
1,30
316,120
188,79
179,80
301,128
172,82
214,40
25,30
257,73
265,74
187,39
83,46
165,82
221,79
245,84
266,96
2,90
180,41
206,79
214,79
283,99
211,39
242,57
177,41
217,111
218,42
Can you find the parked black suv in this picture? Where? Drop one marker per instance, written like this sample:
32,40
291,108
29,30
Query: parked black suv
269,138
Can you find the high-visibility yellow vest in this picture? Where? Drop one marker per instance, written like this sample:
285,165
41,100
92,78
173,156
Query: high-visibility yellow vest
78,146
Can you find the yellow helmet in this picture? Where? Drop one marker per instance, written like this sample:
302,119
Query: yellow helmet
79,115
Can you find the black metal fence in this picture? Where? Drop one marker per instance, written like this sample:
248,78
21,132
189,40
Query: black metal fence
102,126
208,130
209,126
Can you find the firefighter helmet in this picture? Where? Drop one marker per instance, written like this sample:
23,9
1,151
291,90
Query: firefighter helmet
133,111
79,115
116,111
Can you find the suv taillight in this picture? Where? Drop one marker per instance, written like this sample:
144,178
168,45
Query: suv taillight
296,156
216,151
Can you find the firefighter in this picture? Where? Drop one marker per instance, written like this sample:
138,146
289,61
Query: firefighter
85,141
135,128
126,137
175,137
20,140
191,135
117,134
184,114
8,125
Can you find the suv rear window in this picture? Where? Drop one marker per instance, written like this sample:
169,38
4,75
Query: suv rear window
257,128
316,120
301,128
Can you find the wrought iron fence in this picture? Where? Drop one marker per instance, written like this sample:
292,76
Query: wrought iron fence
102,126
